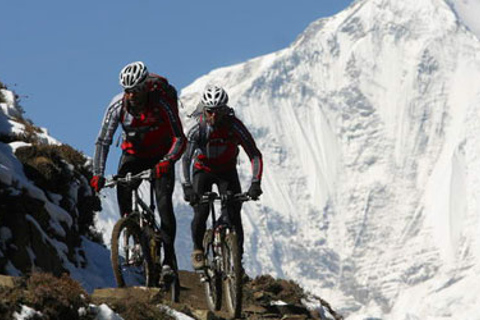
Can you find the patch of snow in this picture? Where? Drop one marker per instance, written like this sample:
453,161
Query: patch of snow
98,271
177,315
103,312
26,313
11,270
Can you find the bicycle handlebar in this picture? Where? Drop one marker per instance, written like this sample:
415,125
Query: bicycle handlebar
213,196
129,178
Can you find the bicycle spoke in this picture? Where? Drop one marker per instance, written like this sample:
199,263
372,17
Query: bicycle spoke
212,277
129,260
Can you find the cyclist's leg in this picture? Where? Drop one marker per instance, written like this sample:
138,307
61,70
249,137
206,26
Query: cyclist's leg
127,163
229,182
164,187
202,182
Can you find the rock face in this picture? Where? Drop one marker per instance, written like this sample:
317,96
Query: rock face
46,205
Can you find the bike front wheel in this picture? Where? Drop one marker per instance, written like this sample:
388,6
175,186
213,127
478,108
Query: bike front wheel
131,262
232,268
212,278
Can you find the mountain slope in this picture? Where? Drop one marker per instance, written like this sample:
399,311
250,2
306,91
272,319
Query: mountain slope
468,11
46,205
368,124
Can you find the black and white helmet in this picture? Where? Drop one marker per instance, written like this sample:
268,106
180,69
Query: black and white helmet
214,97
133,74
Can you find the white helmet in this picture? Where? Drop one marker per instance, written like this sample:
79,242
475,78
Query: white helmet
214,97
133,74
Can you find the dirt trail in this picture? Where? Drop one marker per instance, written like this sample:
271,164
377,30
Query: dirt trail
258,295
192,294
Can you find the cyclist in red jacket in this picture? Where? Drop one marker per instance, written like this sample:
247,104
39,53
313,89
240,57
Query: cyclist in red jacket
152,138
213,147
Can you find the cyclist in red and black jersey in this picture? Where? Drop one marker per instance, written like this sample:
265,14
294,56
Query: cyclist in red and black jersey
213,147
152,138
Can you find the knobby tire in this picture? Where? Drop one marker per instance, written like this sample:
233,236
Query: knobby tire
232,267
157,254
213,287
174,287
129,224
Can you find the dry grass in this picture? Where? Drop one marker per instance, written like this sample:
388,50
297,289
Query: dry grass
2,97
46,165
61,298
72,156
138,305
43,165
275,289
56,298
30,133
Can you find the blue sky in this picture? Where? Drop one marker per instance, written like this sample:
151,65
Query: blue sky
63,57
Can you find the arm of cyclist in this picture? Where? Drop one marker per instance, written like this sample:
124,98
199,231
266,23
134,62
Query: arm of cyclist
178,140
104,140
192,144
248,144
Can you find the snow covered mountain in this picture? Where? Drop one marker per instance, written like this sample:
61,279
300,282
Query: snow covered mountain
369,128
369,125
468,12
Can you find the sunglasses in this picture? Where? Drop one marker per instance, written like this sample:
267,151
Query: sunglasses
138,88
215,110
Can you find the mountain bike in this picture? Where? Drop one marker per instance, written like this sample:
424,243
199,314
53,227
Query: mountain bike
223,262
137,244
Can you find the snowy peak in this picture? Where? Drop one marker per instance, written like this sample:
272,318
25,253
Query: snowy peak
467,12
367,125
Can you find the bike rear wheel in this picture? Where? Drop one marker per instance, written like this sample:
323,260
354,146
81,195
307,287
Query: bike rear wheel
213,280
172,287
131,262
175,290
232,268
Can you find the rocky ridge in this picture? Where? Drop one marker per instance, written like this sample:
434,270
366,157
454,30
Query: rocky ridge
60,298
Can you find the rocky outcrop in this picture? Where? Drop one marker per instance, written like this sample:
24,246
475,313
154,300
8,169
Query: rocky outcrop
264,298
46,204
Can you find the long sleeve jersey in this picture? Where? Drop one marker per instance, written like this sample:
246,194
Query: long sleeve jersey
215,149
155,132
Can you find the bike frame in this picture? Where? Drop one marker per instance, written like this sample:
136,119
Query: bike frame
225,199
147,213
